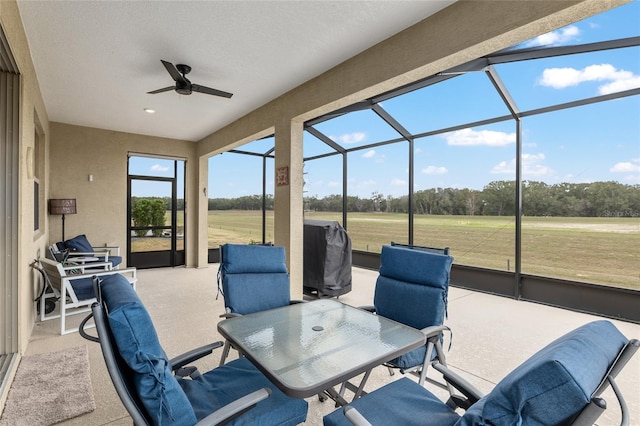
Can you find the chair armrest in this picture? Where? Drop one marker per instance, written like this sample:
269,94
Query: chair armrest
97,253
113,250
355,417
467,389
368,308
434,330
81,265
239,406
132,272
194,354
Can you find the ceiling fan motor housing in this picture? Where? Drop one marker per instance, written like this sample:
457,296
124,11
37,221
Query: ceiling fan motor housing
183,87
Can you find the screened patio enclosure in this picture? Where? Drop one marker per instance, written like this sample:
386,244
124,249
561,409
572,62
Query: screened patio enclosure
526,233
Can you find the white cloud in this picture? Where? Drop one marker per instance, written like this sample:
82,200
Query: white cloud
531,166
159,168
470,137
369,154
625,167
615,80
620,85
349,138
398,182
561,36
434,170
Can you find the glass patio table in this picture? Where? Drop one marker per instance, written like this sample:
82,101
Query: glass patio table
308,348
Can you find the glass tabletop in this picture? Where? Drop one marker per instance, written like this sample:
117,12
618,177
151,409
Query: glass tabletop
307,347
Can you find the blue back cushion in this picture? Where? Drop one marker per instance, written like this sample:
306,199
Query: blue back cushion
412,286
556,383
243,259
79,243
138,344
254,278
417,306
412,289
415,266
248,293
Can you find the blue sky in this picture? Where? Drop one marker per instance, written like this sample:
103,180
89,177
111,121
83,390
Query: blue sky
599,142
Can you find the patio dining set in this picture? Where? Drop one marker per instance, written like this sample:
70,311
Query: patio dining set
291,350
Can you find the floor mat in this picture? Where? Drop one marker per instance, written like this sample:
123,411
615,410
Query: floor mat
49,388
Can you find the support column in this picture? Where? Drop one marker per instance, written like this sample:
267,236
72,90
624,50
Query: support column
288,199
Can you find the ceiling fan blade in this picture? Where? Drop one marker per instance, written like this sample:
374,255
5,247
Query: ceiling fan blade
164,89
210,91
173,71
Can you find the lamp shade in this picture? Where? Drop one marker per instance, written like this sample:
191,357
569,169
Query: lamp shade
62,206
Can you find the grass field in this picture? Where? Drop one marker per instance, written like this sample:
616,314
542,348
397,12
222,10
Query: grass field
597,250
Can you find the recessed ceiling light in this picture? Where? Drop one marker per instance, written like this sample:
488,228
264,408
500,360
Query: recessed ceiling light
149,110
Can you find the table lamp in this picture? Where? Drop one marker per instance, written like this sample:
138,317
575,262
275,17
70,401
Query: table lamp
62,206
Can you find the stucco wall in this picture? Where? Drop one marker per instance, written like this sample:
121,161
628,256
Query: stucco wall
32,109
77,152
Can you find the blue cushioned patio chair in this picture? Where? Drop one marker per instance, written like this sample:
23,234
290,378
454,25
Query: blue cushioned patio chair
157,390
562,384
412,288
252,278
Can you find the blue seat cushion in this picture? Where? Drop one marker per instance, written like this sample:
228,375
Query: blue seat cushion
402,402
253,292
115,260
556,383
414,305
83,288
79,243
234,380
415,266
138,344
242,259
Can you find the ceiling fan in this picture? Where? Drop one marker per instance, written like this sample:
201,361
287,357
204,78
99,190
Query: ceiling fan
183,86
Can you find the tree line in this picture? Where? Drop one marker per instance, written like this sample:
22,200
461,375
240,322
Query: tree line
497,198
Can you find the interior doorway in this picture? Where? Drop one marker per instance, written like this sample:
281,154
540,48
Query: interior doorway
156,208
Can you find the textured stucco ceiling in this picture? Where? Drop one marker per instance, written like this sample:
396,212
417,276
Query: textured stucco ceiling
96,60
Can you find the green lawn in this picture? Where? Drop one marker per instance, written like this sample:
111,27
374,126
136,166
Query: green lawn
598,250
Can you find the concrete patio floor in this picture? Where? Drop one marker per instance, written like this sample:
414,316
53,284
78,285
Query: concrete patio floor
491,336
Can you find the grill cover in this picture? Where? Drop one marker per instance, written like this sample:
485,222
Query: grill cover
327,258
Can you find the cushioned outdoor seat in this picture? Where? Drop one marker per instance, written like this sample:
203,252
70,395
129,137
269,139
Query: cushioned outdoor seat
412,288
78,249
252,278
144,377
72,289
560,384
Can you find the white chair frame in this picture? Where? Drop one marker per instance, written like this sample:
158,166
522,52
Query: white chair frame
59,278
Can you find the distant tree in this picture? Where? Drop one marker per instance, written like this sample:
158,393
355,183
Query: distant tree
158,216
141,215
499,198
